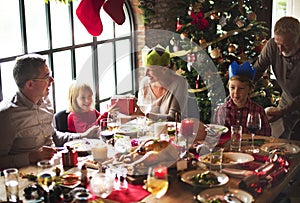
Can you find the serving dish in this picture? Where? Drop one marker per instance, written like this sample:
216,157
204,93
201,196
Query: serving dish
230,159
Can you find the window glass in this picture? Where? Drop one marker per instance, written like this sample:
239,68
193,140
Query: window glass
124,73
84,66
60,24
36,25
62,78
8,80
108,26
72,49
124,29
10,35
106,71
81,35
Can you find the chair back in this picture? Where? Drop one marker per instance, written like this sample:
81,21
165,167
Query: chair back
61,121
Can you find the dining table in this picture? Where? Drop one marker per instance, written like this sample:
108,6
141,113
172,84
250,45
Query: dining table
180,191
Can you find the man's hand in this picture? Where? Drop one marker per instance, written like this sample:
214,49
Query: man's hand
92,132
274,114
42,153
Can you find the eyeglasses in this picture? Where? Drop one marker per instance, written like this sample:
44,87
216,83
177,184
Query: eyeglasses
46,78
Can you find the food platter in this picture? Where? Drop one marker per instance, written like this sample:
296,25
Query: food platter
281,147
84,146
218,193
218,128
188,177
229,159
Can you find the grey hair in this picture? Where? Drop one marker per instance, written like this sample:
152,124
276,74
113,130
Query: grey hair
287,24
27,67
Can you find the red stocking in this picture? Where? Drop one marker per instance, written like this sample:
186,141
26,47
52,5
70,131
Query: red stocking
114,8
88,14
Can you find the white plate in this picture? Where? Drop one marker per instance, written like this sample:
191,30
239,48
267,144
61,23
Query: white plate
128,129
214,193
281,147
218,128
187,176
229,159
84,145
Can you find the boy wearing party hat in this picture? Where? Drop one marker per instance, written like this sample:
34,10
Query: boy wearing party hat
238,105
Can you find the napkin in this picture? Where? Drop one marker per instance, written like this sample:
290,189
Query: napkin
134,193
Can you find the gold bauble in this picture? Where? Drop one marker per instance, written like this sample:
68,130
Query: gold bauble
251,16
202,41
231,48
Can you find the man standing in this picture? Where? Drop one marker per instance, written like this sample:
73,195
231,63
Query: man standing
282,52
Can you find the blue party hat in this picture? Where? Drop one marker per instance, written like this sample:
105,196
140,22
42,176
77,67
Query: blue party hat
245,70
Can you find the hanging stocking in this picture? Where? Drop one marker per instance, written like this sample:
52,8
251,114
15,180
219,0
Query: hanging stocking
88,14
114,8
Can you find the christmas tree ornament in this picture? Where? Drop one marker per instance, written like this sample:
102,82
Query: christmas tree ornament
202,41
88,14
184,35
214,16
189,66
215,53
178,25
251,16
232,48
114,8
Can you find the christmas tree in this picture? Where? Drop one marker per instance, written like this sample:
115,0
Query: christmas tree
227,31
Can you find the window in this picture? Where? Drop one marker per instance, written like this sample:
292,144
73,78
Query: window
105,62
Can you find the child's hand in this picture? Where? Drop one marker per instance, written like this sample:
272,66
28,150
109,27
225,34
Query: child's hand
113,108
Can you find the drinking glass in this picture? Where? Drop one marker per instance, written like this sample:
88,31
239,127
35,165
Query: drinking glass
253,125
107,129
211,140
157,181
11,184
45,177
216,158
145,104
236,138
102,184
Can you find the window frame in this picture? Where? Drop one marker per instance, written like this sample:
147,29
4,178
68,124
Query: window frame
49,52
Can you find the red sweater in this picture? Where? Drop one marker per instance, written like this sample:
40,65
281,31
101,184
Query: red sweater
80,122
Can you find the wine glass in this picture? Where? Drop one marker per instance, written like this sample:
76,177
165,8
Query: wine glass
107,129
157,181
145,104
45,177
211,140
253,125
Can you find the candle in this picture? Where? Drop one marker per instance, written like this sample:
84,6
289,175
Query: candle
187,127
160,172
99,152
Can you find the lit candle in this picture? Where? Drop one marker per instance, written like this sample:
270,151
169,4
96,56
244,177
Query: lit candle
99,152
187,127
160,172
